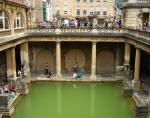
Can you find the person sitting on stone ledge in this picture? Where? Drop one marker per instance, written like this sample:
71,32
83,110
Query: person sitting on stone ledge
6,90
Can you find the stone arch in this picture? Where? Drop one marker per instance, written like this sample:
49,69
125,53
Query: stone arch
73,57
45,57
105,61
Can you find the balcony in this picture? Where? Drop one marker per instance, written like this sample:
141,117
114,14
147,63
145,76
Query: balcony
136,3
21,2
105,34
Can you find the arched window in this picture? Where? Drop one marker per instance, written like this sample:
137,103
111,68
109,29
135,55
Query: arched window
3,21
18,21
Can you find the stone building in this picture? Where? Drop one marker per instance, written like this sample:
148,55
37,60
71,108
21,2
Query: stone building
136,13
102,54
83,8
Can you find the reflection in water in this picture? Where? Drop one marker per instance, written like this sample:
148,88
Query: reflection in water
59,99
74,86
92,100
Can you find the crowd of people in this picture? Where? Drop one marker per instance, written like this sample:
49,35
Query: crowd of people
86,23
76,23
7,88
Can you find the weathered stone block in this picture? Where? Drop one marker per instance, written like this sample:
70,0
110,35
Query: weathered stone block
5,106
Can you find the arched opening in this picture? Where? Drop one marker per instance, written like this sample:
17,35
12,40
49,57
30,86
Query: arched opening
73,57
45,58
4,22
105,62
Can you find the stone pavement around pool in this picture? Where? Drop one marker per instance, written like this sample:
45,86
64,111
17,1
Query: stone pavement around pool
69,77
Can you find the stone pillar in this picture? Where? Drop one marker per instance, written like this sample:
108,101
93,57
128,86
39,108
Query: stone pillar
24,52
13,14
127,54
93,62
58,60
127,59
136,82
11,63
117,56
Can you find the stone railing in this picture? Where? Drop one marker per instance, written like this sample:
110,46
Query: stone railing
75,30
143,1
139,34
137,3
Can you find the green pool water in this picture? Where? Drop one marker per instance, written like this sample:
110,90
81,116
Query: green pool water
72,100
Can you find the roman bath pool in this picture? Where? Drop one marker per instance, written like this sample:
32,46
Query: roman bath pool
74,100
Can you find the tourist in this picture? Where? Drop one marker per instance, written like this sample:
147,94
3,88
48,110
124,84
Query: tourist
119,23
141,84
66,23
12,95
72,24
46,69
78,23
6,90
75,23
75,75
19,73
146,26
49,75
106,24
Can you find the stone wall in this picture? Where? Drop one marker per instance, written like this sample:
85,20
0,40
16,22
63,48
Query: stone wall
76,53
109,55
40,55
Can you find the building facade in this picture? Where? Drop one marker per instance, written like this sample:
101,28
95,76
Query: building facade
136,13
83,8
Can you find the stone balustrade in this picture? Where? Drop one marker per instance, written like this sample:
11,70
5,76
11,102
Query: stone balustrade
76,30
136,3
136,34
96,31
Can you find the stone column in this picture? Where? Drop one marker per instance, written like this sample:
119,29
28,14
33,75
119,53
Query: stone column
127,54
136,82
24,52
13,14
117,56
58,60
11,63
93,62
127,58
